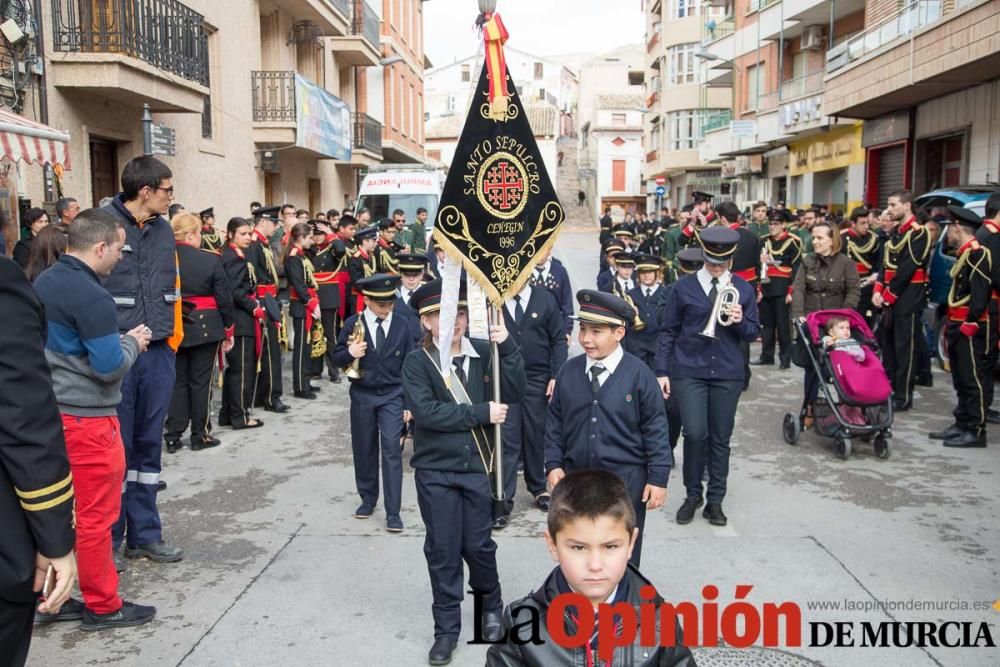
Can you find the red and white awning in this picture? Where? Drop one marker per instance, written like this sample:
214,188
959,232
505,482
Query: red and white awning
32,142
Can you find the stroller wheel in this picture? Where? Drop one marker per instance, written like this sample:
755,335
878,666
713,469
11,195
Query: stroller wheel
790,428
842,447
882,448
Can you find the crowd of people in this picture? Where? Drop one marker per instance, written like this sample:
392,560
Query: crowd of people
143,306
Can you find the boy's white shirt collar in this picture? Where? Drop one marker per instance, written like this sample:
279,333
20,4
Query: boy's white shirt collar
609,362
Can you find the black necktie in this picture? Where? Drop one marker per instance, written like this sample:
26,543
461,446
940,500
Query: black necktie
459,364
595,372
518,310
649,292
714,292
379,334
539,276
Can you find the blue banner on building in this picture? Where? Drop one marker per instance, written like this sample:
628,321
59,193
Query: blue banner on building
323,120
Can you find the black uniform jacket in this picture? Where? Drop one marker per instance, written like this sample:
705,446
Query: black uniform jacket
443,438
202,275
786,249
903,279
241,277
381,367
300,281
36,488
525,653
541,335
642,343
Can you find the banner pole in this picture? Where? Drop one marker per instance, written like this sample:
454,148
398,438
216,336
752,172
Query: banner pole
496,314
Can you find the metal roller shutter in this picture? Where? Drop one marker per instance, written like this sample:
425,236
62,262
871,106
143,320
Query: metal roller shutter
891,167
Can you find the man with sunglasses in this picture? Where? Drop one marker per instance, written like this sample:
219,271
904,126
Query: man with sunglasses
145,286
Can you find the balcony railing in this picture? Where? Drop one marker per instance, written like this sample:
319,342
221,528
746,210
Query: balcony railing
757,5
802,86
164,33
716,121
342,6
653,98
367,133
766,102
653,41
712,30
911,17
273,96
651,156
365,23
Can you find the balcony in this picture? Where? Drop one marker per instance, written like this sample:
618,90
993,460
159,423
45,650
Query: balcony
332,16
367,139
361,47
926,50
651,156
291,111
791,17
133,51
712,30
810,84
653,41
716,121
653,98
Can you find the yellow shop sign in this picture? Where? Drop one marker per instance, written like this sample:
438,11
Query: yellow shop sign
835,149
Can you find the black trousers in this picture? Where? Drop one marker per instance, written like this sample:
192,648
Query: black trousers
301,355
457,510
775,319
524,440
865,304
16,621
901,343
269,387
674,422
708,412
191,400
968,376
635,482
331,328
237,386
376,427
992,356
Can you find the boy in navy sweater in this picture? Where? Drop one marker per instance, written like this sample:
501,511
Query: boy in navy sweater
89,359
607,412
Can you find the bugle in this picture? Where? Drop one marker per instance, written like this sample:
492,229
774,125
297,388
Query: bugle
726,298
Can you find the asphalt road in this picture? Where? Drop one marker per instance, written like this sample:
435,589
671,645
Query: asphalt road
278,572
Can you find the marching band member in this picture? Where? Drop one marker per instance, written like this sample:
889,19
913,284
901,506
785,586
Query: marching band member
624,268
325,261
362,264
385,251
646,299
210,239
260,256
781,254
552,275
303,292
606,276
989,237
865,250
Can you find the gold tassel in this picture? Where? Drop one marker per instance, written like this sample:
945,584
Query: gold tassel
498,108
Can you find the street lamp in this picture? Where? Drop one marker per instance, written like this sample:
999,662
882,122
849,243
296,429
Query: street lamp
391,60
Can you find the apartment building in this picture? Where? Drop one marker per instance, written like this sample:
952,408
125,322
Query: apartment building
679,100
266,100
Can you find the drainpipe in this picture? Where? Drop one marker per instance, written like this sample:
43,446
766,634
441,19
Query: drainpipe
43,96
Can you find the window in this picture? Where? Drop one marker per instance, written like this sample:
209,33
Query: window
539,71
466,72
680,9
681,64
685,129
756,79
541,94
636,78
618,175
618,119
451,103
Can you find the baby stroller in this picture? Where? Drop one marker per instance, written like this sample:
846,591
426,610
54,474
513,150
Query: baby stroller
854,398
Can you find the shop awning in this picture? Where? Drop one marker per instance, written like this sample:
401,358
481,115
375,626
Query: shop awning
32,142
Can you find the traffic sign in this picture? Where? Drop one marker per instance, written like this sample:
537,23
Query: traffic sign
661,180
164,140
660,191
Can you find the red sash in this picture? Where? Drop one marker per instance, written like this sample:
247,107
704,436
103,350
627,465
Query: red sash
960,313
747,274
919,276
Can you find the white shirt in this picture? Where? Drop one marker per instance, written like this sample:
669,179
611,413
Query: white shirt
405,294
626,284
371,324
705,278
648,288
544,269
468,351
512,304
609,362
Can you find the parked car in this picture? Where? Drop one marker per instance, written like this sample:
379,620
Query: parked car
972,197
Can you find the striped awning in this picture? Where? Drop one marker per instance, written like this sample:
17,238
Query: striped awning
32,142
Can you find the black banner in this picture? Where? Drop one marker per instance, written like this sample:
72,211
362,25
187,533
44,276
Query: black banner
498,209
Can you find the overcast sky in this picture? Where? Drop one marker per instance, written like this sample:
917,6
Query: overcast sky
542,27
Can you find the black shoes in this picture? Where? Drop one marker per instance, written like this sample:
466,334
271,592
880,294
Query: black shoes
129,615
308,395
72,610
785,365
173,446
440,653
993,416
492,627
224,420
924,380
204,442
947,433
899,405
161,486
335,378
542,501
762,362
160,552
501,522
364,511
277,406
966,439
686,513
393,523
713,512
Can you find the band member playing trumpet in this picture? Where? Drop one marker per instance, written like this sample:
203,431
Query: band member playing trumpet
780,256
706,317
377,404
303,306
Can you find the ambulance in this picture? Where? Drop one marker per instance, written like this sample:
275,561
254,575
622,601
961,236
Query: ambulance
408,187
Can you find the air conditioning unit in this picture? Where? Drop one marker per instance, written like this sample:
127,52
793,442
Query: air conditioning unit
812,38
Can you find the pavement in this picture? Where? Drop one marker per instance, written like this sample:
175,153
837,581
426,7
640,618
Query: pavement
277,571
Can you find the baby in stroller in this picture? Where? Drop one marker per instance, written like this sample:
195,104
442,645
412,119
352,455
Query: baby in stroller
838,341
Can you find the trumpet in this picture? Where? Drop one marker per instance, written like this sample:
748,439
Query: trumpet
721,315
353,371
764,278
637,323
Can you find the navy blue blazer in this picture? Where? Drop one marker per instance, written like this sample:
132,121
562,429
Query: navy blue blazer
605,279
684,353
643,343
558,284
541,336
624,427
382,367
403,309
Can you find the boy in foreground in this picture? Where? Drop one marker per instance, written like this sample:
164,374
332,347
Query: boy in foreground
591,533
